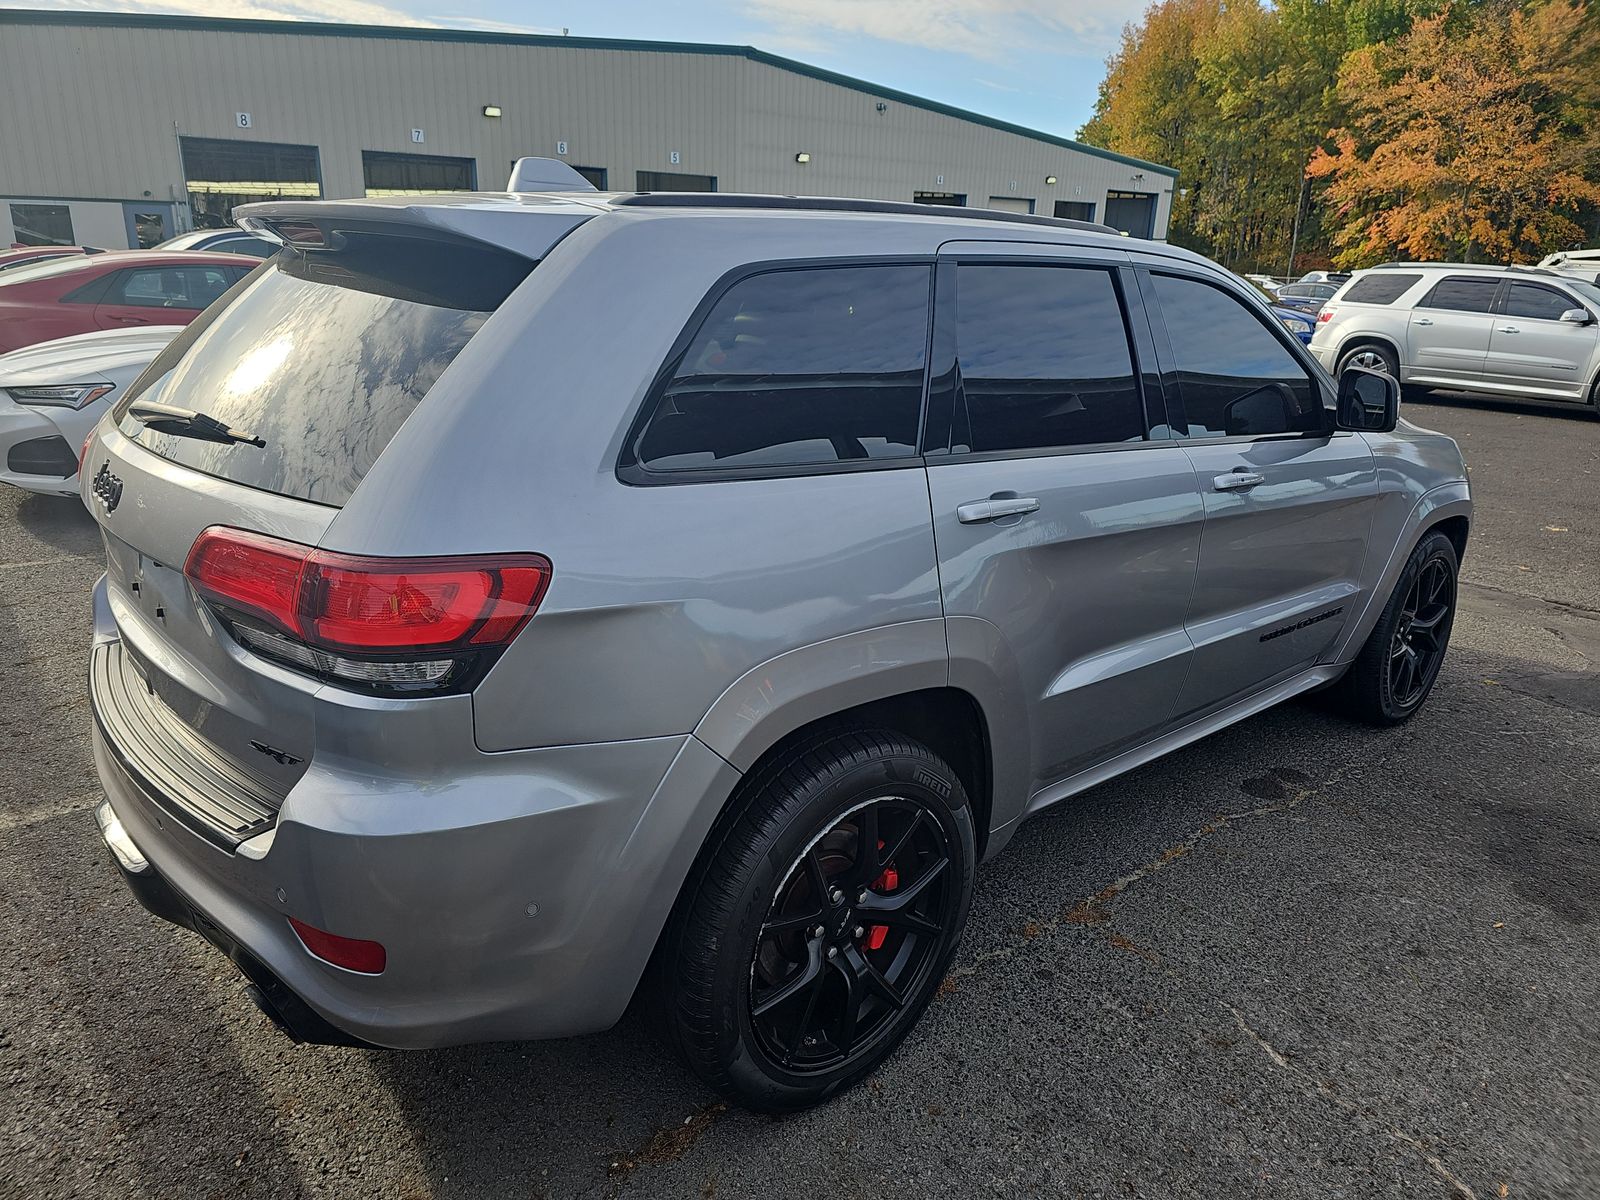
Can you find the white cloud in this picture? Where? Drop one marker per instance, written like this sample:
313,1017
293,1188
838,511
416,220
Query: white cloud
984,29
351,12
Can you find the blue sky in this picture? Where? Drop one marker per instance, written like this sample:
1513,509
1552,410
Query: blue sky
1035,62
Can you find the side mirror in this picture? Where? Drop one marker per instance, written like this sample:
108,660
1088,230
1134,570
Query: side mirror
1369,401
1575,316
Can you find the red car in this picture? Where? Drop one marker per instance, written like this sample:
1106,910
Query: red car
62,296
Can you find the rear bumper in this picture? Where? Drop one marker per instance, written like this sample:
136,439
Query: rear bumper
517,895
293,1016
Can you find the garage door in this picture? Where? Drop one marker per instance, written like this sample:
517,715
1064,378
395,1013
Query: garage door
1014,204
221,173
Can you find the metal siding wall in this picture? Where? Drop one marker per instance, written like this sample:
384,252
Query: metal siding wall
88,112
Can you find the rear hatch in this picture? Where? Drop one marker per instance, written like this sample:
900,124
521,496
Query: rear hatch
314,361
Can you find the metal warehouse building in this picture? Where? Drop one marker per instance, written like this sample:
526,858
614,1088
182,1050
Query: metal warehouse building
123,129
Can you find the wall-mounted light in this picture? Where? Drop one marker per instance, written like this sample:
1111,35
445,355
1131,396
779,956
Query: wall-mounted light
802,157
491,110
1050,180
882,107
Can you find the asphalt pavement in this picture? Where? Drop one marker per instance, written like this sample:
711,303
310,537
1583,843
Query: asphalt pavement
1299,959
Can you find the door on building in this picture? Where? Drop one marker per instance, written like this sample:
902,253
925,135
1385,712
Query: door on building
673,181
386,174
1132,212
223,173
952,199
1075,210
1012,204
149,224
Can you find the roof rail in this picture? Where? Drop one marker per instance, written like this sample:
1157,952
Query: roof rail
1455,266
847,204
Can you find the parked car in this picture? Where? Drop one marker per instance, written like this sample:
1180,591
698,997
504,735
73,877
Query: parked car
22,256
1297,321
63,296
1306,297
52,393
1324,277
1517,331
231,240
506,593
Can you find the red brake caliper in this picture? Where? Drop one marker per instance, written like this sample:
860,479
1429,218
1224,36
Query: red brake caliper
887,882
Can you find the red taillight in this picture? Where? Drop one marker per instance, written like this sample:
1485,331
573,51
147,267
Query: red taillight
339,604
83,450
353,954
1324,315
250,572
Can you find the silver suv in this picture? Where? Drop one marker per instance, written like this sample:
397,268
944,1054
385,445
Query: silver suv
1507,331
509,594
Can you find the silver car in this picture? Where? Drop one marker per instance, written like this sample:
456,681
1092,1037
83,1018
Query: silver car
1505,331
514,603
52,394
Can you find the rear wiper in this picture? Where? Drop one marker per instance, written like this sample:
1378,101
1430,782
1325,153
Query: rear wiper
185,422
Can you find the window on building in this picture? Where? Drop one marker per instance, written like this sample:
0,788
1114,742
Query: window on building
798,367
1075,210
1235,377
388,174
672,181
953,199
1381,287
1462,293
222,174
1538,303
42,224
1044,357
1134,213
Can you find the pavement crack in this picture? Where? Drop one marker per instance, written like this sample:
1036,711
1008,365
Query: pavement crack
1093,910
1280,1060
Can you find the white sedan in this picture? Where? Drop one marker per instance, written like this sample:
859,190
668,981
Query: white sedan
52,393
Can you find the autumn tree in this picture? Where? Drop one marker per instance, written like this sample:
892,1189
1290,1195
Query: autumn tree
1471,136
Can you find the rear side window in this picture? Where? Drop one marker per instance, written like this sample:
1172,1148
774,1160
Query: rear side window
1538,303
1235,377
324,353
1044,359
807,366
1381,287
168,287
1462,293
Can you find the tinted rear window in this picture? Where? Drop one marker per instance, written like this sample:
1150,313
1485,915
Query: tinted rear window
797,367
323,353
1463,293
1382,287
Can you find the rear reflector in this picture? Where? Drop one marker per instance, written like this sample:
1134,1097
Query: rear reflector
390,623
353,954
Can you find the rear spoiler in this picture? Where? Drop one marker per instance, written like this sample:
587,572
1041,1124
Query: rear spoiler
525,225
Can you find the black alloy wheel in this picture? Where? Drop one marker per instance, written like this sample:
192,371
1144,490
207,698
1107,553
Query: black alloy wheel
853,931
819,919
1416,649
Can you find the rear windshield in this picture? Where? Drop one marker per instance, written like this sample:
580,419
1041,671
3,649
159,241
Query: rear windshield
323,353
